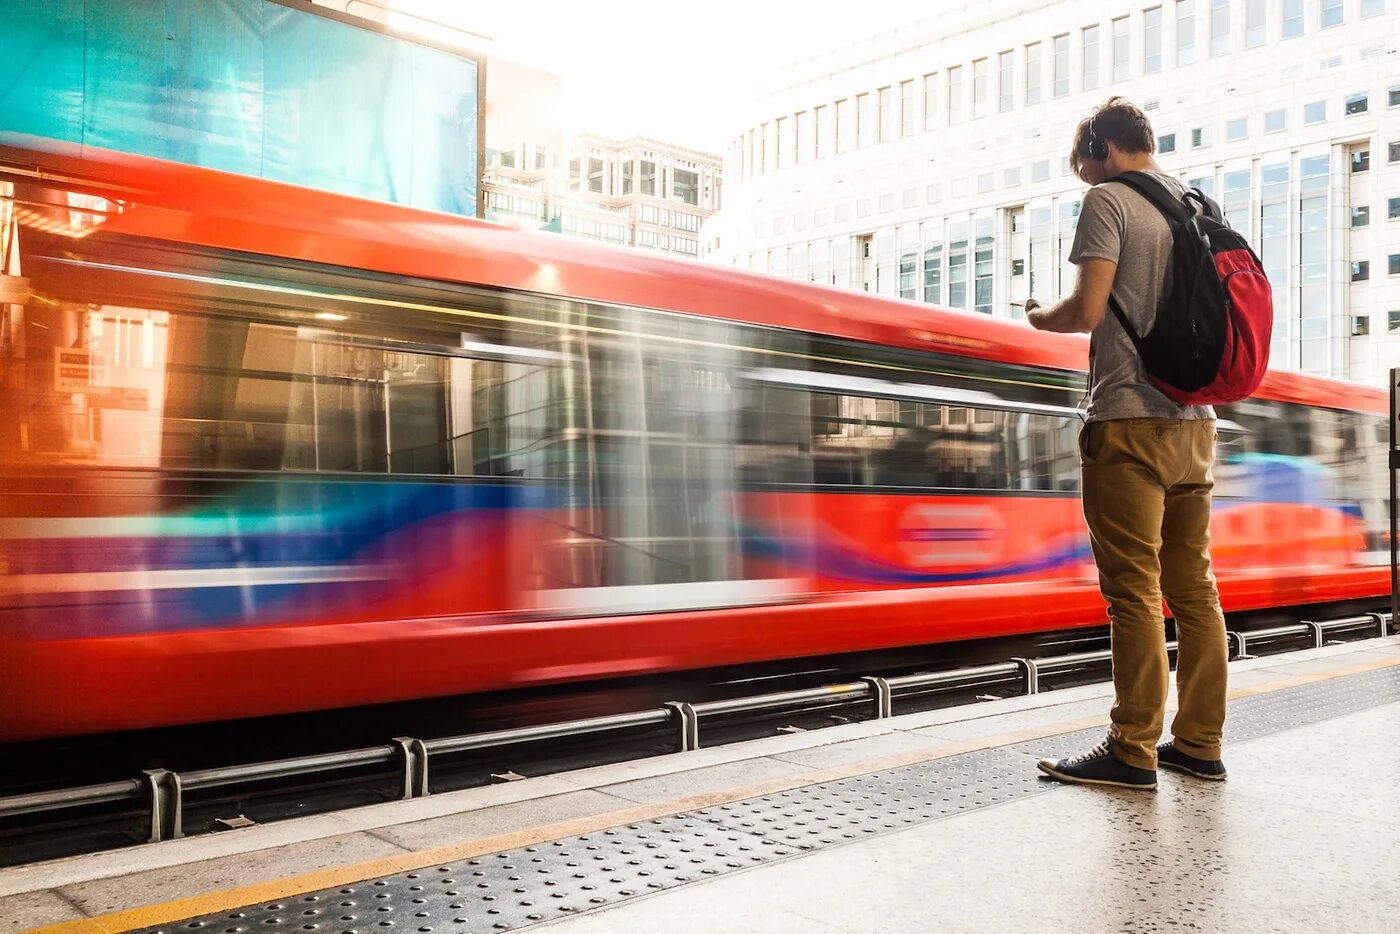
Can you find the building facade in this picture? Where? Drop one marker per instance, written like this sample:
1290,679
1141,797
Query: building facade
638,192
932,163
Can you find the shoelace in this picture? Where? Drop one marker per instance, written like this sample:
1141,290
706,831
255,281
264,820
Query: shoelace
1098,752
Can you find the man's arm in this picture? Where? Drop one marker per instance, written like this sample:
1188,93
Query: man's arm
1085,307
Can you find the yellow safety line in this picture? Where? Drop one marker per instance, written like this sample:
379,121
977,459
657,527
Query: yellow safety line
288,886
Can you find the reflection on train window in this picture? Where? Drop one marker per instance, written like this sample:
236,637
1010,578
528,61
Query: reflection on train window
857,441
140,388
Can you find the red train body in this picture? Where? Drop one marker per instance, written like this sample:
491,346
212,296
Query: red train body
276,450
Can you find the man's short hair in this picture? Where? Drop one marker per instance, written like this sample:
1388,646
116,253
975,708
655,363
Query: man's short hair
1117,121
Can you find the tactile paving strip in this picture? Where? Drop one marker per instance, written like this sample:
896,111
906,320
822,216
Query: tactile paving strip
519,888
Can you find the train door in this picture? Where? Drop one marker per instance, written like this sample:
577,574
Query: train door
655,518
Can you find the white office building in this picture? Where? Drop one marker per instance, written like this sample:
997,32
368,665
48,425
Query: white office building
931,163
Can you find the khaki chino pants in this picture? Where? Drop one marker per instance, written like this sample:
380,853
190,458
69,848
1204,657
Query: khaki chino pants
1147,489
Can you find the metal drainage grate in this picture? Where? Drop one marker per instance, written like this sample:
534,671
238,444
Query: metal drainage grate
518,888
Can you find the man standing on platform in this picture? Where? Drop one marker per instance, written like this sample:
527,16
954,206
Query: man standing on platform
1146,464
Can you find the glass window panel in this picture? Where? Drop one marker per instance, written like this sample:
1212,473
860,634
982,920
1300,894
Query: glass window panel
1255,23
1061,66
1275,120
1166,143
1315,112
955,94
1219,27
1237,129
908,108
981,77
1186,32
1357,104
1033,73
1120,49
1152,40
1006,69
1091,57
1333,13
1292,18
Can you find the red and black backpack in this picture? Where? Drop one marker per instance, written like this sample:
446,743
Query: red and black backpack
1210,340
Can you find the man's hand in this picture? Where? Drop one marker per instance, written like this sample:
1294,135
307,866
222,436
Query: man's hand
1034,318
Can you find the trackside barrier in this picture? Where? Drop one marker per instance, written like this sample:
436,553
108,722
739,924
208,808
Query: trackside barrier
163,791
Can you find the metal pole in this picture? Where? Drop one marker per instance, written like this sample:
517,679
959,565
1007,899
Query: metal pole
688,724
1394,520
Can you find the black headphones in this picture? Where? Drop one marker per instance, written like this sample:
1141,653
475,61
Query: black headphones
1097,146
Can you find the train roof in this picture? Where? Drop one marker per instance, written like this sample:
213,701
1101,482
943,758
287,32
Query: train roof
180,203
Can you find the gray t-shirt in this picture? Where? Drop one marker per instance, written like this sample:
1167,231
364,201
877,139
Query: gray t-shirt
1116,223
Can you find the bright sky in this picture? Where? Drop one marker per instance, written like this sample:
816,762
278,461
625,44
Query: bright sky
683,72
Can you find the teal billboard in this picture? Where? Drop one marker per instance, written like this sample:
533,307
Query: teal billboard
258,87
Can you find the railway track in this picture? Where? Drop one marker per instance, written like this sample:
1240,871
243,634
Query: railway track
140,789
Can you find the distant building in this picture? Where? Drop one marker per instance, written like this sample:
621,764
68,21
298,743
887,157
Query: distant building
637,192
930,162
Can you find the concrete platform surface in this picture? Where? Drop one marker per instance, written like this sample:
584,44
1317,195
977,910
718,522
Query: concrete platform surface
930,821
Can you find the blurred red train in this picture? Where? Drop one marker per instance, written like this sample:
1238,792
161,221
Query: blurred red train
267,449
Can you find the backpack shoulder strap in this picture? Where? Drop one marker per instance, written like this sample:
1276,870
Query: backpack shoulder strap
1156,193
1122,317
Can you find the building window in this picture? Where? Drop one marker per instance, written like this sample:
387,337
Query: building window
1006,85
1166,143
508,159
1090,41
933,271
983,267
957,265
887,115
803,128
1395,96
1040,171
1392,209
770,147
648,178
1119,65
1371,8
1011,177
1275,120
1316,112
1061,67
986,182
628,168
1332,13
1361,161
886,202
1033,70
843,125
955,94
930,100
1292,18
1392,152
1186,32
1361,215
981,77
1255,23
1357,104
909,198
865,120
1237,129
908,112
1152,40
595,175
821,130
1219,27
1360,325
1394,321
685,186
1200,137
1360,270
1393,264
785,148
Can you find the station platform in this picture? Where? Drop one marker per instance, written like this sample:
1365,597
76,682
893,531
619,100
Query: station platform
935,821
